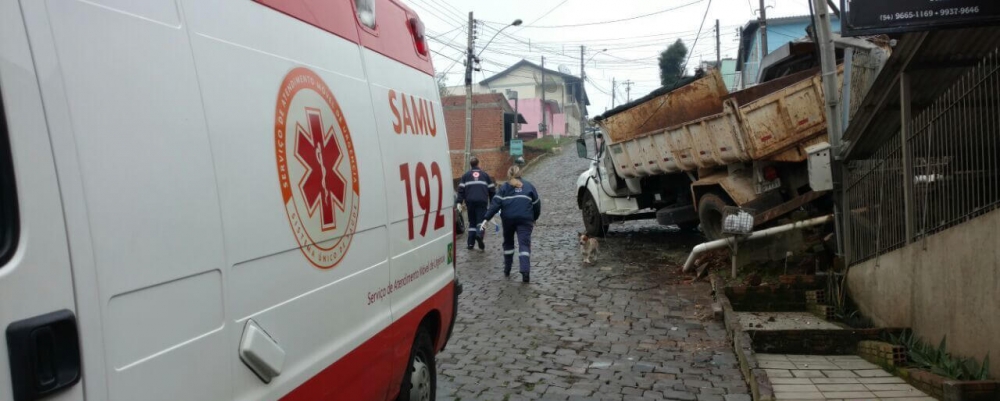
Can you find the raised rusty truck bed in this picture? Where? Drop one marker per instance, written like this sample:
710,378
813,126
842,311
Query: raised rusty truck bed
701,126
700,98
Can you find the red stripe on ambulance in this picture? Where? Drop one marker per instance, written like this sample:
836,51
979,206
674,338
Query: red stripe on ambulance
343,381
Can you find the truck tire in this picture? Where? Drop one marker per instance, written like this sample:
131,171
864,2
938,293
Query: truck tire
710,209
593,222
420,379
688,226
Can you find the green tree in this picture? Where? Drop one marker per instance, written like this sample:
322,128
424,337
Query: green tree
672,63
442,81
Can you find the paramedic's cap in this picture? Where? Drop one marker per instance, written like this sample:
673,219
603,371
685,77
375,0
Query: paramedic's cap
519,161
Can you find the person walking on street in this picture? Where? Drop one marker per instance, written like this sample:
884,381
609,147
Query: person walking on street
476,188
519,206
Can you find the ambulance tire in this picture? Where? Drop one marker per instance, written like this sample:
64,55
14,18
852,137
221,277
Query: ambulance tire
420,379
593,221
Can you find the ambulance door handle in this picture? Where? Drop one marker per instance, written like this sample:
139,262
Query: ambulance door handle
44,355
260,352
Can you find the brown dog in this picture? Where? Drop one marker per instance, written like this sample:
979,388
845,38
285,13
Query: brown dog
588,246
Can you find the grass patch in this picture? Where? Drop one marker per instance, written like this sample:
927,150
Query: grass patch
546,144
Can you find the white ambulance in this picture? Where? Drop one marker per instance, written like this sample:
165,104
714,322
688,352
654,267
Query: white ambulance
221,200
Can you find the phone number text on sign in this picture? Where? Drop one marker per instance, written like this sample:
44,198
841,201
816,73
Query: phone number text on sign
944,12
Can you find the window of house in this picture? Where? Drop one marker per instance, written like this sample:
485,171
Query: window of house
366,12
8,198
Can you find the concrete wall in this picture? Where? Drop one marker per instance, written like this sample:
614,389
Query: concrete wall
951,287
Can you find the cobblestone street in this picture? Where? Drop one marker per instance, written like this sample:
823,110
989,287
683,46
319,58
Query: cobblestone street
628,327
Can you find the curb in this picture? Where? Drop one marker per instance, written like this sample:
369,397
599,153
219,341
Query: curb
527,166
756,378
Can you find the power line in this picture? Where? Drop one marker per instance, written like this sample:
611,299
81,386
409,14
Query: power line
433,10
703,18
443,55
436,35
613,41
613,21
548,12
450,9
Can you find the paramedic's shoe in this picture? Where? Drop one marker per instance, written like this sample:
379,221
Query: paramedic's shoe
506,272
482,245
524,277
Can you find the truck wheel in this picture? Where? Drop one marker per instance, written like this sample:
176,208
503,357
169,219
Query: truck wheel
688,226
593,222
710,209
420,379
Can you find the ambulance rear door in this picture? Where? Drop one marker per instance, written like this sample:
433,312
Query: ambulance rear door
41,355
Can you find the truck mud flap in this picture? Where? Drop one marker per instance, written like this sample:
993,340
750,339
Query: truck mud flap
786,207
676,215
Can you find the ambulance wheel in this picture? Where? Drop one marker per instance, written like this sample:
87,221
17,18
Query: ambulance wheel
710,209
420,379
593,222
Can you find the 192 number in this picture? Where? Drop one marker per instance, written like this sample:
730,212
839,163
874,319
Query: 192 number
423,194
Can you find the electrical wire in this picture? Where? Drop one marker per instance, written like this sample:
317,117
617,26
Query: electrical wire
548,12
450,9
613,21
684,69
437,13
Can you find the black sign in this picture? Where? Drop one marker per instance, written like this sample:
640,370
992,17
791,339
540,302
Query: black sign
872,17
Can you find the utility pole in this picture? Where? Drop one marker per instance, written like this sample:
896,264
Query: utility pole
741,74
614,88
763,29
718,47
628,90
468,90
834,124
583,107
543,128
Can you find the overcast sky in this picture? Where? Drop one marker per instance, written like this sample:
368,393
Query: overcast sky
556,29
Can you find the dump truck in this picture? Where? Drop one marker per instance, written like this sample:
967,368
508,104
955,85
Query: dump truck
688,154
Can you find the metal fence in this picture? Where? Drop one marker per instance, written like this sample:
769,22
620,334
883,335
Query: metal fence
949,163
861,68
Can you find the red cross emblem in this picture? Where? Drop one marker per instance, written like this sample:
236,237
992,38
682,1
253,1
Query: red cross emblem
322,185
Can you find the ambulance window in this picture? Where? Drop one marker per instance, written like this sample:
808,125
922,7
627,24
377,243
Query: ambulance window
8,199
366,12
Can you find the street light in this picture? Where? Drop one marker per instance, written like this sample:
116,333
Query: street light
595,55
468,84
516,22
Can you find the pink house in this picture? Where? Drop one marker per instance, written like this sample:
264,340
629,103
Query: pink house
531,109
526,83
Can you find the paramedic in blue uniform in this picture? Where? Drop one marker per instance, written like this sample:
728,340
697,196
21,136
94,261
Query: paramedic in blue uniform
476,188
520,206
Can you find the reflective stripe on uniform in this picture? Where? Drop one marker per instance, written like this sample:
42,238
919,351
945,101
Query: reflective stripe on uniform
512,197
510,252
492,186
525,253
536,201
473,183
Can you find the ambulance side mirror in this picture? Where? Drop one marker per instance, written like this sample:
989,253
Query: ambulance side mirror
581,148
